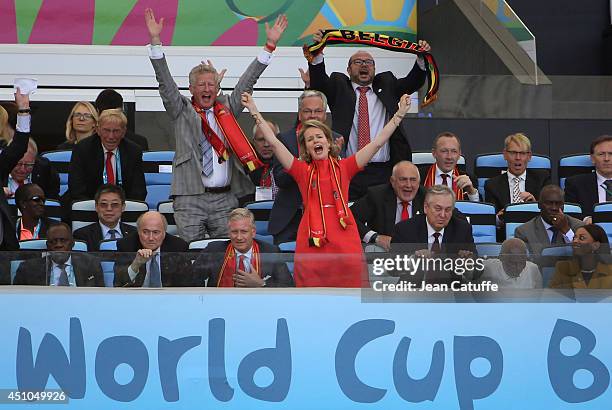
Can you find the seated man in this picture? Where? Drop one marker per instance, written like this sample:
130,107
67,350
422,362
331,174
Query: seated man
110,99
385,205
512,270
110,204
589,189
447,151
246,263
62,267
107,158
519,184
32,169
262,178
33,224
552,226
160,259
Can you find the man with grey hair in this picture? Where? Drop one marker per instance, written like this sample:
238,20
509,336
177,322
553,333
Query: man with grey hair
160,259
512,270
205,189
288,207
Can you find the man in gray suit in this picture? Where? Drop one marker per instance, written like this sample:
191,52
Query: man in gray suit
552,226
204,191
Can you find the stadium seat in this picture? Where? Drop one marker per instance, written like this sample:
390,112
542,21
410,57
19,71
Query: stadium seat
261,211
108,265
482,218
157,166
602,216
518,214
157,194
572,165
203,243
84,213
165,208
548,266
490,165
61,162
265,238
423,159
41,244
491,249
287,246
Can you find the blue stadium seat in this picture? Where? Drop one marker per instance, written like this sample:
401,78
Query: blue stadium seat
157,194
423,159
573,165
265,238
548,269
602,216
157,166
108,265
61,162
167,209
491,250
287,246
41,244
482,218
84,212
261,211
490,165
53,208
518,214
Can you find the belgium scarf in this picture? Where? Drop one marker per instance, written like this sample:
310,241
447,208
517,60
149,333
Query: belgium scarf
228,268
430,180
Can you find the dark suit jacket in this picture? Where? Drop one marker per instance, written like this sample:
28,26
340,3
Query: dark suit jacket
582,189
137,139
378,207
342,100
175,265
87,271
208,265
9,157
92,234
87,167
497,189
45,176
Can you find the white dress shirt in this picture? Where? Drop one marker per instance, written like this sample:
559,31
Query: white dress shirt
56,272
568,237
247,259
105,229
430,235
522,179
113,162
449,183
147,279
601,187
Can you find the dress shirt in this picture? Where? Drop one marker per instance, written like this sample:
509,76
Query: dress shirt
398,217
601,191
430,235
511,177
568,236
449,183
147,279
105,229
113,163
56,271
247,259
222,172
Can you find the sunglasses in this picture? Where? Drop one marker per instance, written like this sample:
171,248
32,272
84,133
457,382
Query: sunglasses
37,199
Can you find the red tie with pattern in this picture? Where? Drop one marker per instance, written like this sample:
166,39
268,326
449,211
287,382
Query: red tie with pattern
405,215
363,122
110,175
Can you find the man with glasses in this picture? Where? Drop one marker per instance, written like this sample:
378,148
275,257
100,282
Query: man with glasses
110,99
32,224
33,169
110,204
518,184
361,104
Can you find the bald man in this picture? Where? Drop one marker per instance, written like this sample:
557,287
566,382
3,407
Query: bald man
385,205
160,260
512,270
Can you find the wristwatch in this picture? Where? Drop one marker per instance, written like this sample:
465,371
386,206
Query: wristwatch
373,238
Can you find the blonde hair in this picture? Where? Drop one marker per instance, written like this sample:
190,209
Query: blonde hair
518,138
113,114
241,213
3,124
334,151
202,69
70,134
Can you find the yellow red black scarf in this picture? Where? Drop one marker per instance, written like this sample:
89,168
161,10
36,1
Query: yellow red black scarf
228,268
430,180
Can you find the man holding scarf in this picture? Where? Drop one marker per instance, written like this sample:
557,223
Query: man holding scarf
206,180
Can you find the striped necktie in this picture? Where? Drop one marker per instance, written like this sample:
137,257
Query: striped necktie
206,152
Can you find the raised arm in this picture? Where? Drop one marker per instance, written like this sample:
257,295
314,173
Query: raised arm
364,155
280,151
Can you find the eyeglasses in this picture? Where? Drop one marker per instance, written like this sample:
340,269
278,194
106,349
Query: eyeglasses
82,116
112,205
360,62
318,111
518,153
37,199
27,165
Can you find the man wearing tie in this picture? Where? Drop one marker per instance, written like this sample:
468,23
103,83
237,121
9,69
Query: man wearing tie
61,267
160,257
110,204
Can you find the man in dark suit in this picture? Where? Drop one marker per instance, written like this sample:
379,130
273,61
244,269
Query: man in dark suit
287,210
262,177
519,184
110,204
107,157
242,261
61,267
160,257
376,97
110,99
33,224
385,205
32,169
590,189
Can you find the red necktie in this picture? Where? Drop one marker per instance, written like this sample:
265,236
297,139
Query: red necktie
240,265
435,246
363,122
110,175
405,215
266,176
444,179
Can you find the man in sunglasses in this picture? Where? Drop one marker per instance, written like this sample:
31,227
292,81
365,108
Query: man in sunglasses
32,224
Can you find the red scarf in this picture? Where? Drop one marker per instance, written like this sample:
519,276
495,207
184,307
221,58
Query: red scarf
234,135
317,226
430,180
228,268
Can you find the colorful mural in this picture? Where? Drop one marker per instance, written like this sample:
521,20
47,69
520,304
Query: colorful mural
196,22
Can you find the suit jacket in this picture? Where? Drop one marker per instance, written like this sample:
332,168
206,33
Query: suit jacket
175,265
208,265
342,100
92,234
137,139
187,163
582,189
533,233
44,175
9,157
497,189
378,207
87,168
87,271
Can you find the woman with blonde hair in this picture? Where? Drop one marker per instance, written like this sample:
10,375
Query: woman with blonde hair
81,123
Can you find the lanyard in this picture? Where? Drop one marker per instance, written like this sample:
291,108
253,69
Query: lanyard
36,229
117,169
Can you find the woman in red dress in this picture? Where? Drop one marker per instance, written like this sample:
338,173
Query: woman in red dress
328,250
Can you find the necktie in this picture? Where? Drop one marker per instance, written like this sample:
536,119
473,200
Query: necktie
274,187
516,190
206,151
608,184
110,174
154,273
444,179
240,265
266,176
63,278
113,233
435,246
405,215
363,121
556,238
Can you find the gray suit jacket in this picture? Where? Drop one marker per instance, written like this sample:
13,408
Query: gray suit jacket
187,165
534,234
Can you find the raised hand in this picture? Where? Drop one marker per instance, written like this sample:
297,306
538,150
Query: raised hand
155,27
424,45
220,74
22,100
318,36
305,77
248,102
274,33
403,105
